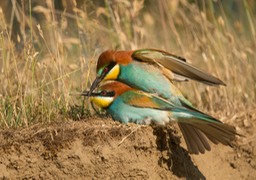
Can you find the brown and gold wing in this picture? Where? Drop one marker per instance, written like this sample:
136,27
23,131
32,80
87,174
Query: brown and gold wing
180,69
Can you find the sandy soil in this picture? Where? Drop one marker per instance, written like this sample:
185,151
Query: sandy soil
104,149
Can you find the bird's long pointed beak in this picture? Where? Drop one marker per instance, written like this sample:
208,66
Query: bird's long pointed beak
95,84
85,93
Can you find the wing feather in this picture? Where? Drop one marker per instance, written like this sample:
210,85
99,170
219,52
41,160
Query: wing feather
197,128
145,100
140,99
177,65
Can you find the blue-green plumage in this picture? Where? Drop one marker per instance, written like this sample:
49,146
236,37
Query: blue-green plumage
124,112
160,111
150,79
152,72
131,105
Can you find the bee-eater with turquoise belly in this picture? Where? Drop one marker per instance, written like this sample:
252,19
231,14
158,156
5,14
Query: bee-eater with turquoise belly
150,70
126,104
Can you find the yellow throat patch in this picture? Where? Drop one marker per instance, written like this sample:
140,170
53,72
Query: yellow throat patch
102,102
113,73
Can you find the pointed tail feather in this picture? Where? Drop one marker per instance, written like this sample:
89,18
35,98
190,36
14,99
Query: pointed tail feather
220,132
196,141
197,128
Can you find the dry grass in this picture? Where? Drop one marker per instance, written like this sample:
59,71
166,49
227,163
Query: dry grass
35,86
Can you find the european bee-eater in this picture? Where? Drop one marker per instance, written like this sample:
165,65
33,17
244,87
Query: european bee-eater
126,104
149,70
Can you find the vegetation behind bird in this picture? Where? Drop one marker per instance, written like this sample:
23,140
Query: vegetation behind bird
35,87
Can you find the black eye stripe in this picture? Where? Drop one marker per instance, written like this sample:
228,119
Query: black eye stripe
109,67
104,93
107,93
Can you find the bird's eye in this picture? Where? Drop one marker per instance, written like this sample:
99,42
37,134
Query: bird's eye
104,93
105,69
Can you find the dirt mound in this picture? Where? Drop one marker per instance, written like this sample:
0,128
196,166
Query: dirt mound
104,149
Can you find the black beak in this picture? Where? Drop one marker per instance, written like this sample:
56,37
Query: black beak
106,93
95,84
85,93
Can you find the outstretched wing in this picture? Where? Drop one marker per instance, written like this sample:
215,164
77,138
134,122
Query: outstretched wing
177,65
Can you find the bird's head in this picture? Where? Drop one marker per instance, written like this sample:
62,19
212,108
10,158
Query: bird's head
108,66
107,93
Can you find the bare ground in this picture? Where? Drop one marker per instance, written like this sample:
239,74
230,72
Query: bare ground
103,149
